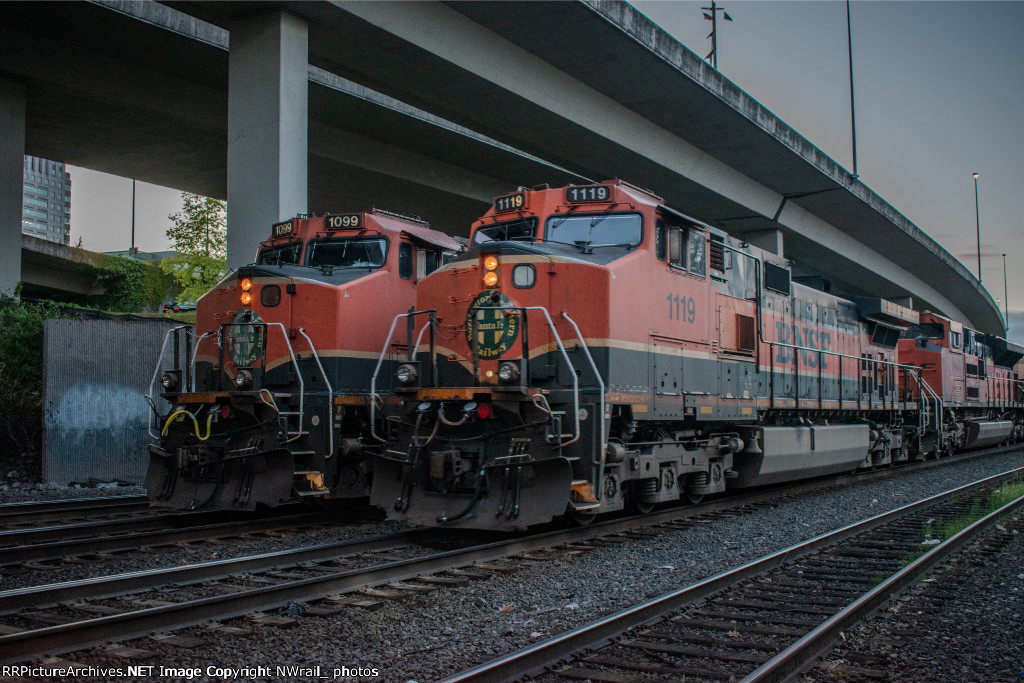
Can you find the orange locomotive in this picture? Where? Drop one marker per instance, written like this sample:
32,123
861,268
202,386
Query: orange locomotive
974,375
595,349
272,403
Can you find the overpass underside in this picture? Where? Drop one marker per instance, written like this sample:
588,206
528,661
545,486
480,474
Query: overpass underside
432,109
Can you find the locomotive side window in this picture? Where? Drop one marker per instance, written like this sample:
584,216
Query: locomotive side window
659,240
287,253
695,255
348,253
616,229
686,250
433,260
405,260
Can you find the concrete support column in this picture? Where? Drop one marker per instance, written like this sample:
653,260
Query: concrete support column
769,240
268,113
12,165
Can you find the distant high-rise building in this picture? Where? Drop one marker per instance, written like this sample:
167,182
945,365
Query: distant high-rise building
46,200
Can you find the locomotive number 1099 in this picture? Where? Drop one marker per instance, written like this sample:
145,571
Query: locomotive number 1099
348,220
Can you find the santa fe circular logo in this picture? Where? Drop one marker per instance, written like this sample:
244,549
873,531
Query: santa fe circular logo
244,338
496,329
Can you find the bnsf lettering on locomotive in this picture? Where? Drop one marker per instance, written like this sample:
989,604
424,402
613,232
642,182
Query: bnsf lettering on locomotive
808,337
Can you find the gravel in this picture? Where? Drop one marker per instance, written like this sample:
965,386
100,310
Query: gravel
429,636
965,622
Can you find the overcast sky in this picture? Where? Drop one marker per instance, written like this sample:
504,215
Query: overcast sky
938,95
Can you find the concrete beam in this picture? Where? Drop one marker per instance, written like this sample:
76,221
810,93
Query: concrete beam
769,240
268,139
12,165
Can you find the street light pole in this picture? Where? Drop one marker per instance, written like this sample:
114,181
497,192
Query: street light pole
1006,300
853,114
977,219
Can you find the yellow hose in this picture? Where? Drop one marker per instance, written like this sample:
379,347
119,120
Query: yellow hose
195,422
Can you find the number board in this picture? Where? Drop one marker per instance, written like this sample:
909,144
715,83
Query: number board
588,193
345,220
510,202
282,229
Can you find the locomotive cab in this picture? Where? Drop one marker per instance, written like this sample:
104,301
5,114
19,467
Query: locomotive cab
269,399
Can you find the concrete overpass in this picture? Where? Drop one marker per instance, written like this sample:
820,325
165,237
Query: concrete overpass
57,271
434,108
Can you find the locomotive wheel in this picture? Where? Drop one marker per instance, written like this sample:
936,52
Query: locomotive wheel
694,498
642,508
582,518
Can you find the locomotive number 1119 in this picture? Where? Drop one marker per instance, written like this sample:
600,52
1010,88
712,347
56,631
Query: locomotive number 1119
682,308
587,193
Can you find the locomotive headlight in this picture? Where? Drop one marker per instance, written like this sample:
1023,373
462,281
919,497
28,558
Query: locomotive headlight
246,298
243,379
508,372
246,284
169,381
491,268
406,373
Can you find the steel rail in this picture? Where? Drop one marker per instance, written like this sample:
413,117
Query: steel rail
58,509
67,637
119,584
818,642
20,646
534,658
126,540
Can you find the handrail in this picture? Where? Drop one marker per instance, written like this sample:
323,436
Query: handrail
565,357
195,354
376,370
156,371
599,465
330,397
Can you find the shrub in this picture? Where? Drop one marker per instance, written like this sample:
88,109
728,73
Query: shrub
21,372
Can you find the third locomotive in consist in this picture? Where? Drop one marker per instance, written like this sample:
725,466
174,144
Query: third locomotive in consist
271,402
595,349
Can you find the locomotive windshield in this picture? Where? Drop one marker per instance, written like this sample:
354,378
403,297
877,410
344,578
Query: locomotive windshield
520,230
275,256
596,230
348,253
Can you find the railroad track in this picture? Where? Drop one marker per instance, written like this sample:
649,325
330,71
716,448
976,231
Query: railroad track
120,538
31,514
766,620
244,586
89,612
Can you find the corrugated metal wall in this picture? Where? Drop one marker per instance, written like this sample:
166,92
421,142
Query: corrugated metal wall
97,373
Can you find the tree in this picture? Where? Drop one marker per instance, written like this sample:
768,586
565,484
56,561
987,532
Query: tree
200,237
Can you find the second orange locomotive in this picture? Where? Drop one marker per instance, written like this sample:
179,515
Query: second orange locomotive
596,349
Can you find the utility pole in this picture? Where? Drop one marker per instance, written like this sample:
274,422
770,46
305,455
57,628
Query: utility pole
853,115
1006,300
713,18
977,218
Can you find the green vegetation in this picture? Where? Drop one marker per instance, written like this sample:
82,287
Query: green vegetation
21,372
200,238
1009,491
